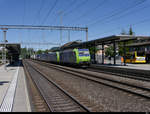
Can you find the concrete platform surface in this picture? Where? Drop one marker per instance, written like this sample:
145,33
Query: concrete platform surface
136,66
13,90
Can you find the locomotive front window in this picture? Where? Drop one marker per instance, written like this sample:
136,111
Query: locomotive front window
84,53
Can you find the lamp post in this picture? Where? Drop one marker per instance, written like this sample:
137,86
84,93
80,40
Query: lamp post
4,50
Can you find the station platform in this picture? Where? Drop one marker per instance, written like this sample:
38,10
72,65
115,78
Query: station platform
136,66
128,66
13,89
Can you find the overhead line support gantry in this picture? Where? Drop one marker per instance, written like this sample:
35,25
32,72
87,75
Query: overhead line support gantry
4,28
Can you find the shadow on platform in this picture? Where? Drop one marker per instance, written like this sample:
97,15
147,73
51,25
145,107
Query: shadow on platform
16,64
109,64
3,82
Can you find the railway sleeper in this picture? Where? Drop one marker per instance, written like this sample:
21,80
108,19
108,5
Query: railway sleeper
68,104
64,106
60,101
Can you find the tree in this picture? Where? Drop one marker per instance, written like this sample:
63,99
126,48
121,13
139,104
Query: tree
93,50
39,52
109,51
46,51
123,32
23,53
121,49
26,53
130,31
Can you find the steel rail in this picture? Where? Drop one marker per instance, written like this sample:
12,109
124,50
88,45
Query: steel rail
27,68
94,78
62,90
34,91
121,72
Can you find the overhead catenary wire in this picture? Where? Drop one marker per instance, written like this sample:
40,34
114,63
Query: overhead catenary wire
105,15
101,3
49,12
117,13
130,12
133,24
39,11
71,4
107,20
24,12
77,7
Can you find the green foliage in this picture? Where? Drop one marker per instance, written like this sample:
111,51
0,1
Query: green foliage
109,51
93,50
54,48
26,53
23,53
123,32
1,54
131,32
39,52
46,51
121,48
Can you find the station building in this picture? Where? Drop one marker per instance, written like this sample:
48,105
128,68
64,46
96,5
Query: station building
139,43
143,47
13,50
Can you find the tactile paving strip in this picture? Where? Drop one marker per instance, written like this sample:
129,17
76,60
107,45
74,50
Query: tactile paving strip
8,100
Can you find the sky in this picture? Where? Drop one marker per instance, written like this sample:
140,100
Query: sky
102,17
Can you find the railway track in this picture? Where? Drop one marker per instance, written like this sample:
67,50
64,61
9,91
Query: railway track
122,72
127,87
57,99
37,102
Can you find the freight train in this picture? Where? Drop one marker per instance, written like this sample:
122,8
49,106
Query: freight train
75,57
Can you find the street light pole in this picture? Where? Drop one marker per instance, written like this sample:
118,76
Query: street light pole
86,34
69,36
4,50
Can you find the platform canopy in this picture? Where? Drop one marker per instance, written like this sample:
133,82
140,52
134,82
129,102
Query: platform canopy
12,47
107,40
139,44
13,51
